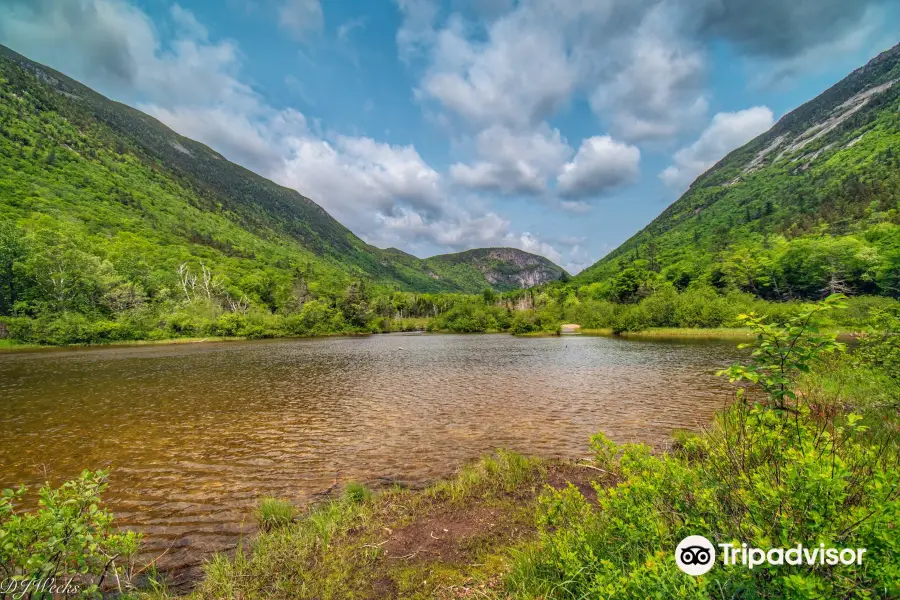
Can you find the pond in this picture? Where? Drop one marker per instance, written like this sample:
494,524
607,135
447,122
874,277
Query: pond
196,433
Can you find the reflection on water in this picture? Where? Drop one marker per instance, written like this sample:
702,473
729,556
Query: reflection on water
195,434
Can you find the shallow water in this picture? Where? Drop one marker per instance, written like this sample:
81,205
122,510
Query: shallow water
195,434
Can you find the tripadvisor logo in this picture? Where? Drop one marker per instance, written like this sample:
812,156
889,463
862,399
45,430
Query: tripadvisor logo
696,555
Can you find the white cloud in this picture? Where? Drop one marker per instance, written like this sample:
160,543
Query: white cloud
654,88
188,23
417,31
575,206
641,64
518,77
639,74
600,165
301,17
514,162
346,28
726,131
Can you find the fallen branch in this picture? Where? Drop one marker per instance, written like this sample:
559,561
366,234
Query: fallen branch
594,468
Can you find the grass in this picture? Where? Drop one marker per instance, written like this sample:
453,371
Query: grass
272,513
447,541
690,332
729,333
13,345
537,334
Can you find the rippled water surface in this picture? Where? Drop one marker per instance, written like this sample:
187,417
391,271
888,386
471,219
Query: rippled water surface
194,434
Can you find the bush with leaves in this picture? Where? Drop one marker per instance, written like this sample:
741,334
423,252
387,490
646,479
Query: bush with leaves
881,346
69,536
771,473
782,352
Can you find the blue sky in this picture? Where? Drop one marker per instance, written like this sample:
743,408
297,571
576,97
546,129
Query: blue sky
557,126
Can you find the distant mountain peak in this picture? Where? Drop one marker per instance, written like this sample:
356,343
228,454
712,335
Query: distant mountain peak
504,268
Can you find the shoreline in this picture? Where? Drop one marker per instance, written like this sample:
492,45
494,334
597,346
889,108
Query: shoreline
659,333
12,348
448,539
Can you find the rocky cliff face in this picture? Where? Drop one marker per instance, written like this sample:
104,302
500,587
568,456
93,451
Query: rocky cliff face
501,268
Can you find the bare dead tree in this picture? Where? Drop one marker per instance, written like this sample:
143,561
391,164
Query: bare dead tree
210,285
241,305
188,281
836,285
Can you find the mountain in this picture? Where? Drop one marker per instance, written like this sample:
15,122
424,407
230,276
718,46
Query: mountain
503,268
808,208
108,179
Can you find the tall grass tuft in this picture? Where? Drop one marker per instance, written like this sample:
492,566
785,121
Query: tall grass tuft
503,472
273,513
357,493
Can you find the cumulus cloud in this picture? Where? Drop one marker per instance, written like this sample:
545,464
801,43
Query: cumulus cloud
354,174
767,70
727,131
517,78
642,64
514,162
654,87
301,17
115,47
600,165
532,60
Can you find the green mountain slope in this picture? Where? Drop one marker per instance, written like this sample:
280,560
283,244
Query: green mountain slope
808,208
97,198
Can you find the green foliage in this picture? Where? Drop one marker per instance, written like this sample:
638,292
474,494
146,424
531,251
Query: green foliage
781,353
289,551
524,321
502,472
880,347
70,535
272,513
769,478
471,316
357,492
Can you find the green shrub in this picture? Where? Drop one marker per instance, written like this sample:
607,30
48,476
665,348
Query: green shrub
524,322
69,535
771,475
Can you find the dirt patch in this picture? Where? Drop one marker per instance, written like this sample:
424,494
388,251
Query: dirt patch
447,536
454,534
560,475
